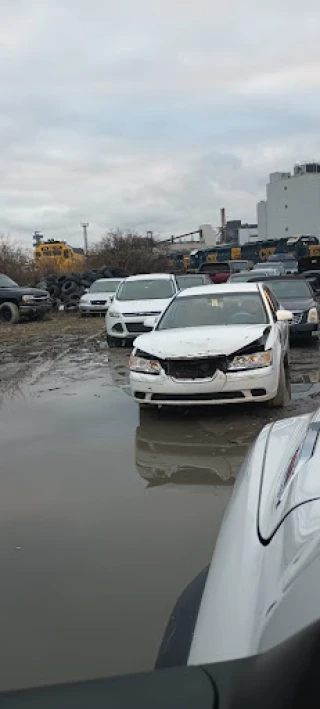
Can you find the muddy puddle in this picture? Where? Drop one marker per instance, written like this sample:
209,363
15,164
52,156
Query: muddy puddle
105,513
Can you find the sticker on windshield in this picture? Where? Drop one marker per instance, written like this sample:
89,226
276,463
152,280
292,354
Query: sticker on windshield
214,302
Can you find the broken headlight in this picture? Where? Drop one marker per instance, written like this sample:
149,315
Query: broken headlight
145,366
251,361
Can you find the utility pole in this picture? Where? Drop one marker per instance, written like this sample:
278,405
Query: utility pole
85,236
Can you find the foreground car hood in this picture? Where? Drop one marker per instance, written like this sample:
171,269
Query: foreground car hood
270,535
136,307
199,341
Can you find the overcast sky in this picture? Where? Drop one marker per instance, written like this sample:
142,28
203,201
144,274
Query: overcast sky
151,114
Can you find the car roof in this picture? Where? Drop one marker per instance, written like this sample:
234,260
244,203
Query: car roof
221,288
191,275
105,280
150,276
282,277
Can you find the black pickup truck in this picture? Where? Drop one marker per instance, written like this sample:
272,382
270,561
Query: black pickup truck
17,301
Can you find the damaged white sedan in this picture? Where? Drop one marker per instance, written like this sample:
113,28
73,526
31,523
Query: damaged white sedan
212,345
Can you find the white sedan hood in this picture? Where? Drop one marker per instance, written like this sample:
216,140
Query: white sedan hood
184,343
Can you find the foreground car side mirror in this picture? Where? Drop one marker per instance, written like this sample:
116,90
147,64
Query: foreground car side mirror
151,322
284,315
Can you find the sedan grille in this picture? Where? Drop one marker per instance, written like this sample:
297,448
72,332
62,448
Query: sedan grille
141,315
98,302
137,327
297,318
203,368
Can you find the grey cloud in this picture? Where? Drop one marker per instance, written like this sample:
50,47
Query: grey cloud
150,115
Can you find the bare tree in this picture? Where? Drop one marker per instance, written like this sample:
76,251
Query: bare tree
128,250
15,261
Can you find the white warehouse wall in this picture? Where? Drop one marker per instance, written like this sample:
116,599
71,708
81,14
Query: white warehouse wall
262,220
292,207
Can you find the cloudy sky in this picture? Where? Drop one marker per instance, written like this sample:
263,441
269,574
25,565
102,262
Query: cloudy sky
151,114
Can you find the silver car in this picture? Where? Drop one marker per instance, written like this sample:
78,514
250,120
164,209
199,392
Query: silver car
99,296
262,586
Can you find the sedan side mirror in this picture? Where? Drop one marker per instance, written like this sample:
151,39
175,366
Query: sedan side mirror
284,315
150,322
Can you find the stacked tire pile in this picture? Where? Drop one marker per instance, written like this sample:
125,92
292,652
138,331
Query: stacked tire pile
67,290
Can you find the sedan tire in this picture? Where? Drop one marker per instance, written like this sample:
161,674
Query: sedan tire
114,341
283,394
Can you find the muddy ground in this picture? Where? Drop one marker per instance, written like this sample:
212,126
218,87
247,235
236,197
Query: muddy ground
26,346
105,514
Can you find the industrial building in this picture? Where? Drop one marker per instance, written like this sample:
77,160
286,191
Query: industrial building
292,207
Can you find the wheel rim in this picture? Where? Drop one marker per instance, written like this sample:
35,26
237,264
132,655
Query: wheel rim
6,315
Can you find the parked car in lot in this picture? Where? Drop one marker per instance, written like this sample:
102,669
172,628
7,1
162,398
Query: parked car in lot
265,265
99,296
137,298
19,301
220,271
190,280
214,345
313,278
245,276
294,293
270,537
289,263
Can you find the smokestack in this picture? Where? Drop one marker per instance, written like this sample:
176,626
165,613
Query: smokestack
223,218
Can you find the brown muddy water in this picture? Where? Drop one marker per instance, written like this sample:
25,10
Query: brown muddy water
105,515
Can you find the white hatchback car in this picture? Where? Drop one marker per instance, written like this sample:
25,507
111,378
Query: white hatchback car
99,296
137,298
212,345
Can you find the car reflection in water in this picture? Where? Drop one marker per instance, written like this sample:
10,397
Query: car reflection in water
172,452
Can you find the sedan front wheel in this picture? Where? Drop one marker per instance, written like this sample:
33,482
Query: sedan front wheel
283,393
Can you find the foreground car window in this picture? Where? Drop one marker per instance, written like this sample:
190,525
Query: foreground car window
106,287
222,309
146,290
290,289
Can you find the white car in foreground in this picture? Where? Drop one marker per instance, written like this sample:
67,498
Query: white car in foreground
137,298
212,345
99,296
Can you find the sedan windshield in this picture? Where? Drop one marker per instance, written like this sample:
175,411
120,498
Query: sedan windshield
294,289
148,289
214,309
239,265
107,286
6,282
274,264
191,281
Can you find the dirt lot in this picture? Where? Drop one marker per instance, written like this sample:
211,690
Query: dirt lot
56,329
27,344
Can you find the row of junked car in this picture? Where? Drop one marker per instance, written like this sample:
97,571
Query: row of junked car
210,344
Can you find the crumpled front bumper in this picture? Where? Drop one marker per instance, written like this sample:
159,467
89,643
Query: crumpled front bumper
233,387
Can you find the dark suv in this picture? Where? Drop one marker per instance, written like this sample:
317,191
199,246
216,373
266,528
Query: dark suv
16,301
